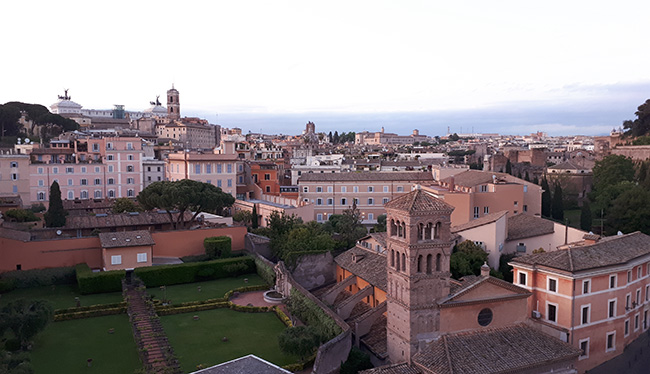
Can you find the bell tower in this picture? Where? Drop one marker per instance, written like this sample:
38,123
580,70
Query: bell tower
173,104
419,247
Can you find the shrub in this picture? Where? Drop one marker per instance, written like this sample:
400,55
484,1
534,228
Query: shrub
264,270
166,275
40,277
21,215
197,258
12,345
357,361
105,281
310,313
90,313
218,246
7,285
282,316
301,341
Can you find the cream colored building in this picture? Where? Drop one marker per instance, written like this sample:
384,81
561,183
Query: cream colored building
217,169
14,176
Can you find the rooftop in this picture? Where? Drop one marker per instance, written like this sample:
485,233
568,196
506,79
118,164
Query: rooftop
125,239
419,201
609,251
471,178
250,364
492,217
410,176
526,226
370,266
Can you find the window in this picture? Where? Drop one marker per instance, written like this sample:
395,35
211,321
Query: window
55,170
647,290
69,170
486,210
305,189
344,201
610,341
612,281
484,188
385,200
142,257
371,189
229,183
84,182
111,193
98,194
110,168
330,201
319,201
319,217
586,286
268,189
70,182
41,183
628,298
98,181
638,297
129,146
525,188
522,278
218,182
229,168
371,201
40,170
629,276
116,260
516,203
70,195
13,164
611,309
636,322
585,315
638,272
329,189
84,194
385,188
551,312
197,168
584,346
14,176
129,180
371,216
96,169
319,189
109,157
485,317
355,189
344,189
525,208
129,168
129,157
110,181
267,177
476,212
400,189
355,201
40,196
129,193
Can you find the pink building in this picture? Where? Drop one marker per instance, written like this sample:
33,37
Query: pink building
89,168
594,294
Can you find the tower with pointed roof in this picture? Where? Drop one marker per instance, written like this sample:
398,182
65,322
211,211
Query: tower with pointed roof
173,104
419,247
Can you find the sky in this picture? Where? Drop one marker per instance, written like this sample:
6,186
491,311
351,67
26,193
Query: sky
514,67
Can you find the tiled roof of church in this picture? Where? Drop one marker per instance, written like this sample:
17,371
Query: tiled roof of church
370,266
608,251
526,226
492,217
500,350
473,282
418,200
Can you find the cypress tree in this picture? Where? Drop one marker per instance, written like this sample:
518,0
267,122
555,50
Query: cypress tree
557,208
254,218
508,167
585,216
536,181
527,177
55,215
546,198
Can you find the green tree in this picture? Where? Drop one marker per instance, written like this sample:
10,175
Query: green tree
301,341
124,204
557,207
55,215
504,268
336,137
348,226
279,227
184,196
254,217
585,216
546,198
536,180
629,212
527,177
21,215
9,117
357,361
242,216
509,167
15,363
612,170
641,125
309,237
380,226
25,319
467,259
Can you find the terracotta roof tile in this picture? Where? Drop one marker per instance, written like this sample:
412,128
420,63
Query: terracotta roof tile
119,220
409,176
492,217
613,250
471,178
402,368
126,239
419,201
525,226
507,349
370,266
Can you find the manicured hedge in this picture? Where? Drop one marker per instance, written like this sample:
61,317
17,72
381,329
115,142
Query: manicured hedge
89,313
282,316
103,281
218,246
264,270
90,308
37,278
166,275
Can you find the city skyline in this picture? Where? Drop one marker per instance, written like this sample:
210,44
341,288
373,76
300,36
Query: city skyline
563,68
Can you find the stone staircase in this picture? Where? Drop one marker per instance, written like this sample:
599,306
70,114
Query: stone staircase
156,353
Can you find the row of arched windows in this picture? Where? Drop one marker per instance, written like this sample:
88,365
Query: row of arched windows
398,261
430,231
397,228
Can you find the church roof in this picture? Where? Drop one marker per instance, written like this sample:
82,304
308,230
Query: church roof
492,217
418,200
402,368
508,349
472,283
526,226
369,266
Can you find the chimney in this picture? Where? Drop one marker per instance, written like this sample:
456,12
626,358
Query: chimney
485,270
452,185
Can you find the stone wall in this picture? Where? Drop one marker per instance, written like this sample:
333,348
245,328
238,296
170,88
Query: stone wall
635,152
333,353
315,270
259,244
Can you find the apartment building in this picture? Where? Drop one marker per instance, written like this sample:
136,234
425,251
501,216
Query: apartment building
267,176
87,168
192,132
332,193
475,194
14,176
214,168
594,294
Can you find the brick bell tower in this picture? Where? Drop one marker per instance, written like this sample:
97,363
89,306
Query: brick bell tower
173,104
419,247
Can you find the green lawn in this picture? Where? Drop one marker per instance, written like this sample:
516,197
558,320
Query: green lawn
61,296
65,346
200,342
181,293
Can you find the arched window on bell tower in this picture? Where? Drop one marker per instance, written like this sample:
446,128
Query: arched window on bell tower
392,257
438,260
419,263
403,262
429,260
436,230
397,261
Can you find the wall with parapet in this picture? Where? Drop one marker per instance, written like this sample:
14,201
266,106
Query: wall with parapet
635,152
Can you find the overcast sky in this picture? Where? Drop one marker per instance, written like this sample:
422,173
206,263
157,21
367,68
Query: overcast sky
508,66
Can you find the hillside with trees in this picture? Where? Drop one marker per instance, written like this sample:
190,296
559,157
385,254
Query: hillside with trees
43,124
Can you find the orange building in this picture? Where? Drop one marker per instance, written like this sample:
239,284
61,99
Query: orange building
595,294
267,177
126,249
